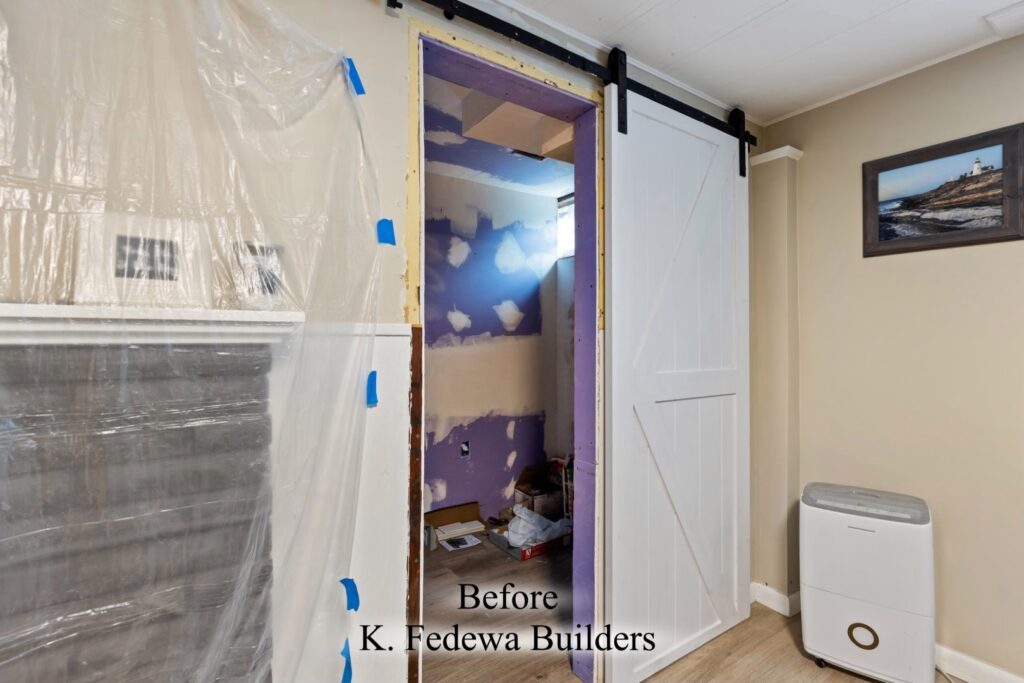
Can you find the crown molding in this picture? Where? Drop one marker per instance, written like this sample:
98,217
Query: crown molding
784,152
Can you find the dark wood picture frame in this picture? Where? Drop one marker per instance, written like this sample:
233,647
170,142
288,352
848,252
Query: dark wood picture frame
1011,138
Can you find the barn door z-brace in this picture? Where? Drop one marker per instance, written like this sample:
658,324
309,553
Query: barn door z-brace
616,71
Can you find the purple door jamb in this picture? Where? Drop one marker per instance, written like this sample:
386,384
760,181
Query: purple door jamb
470,71
584,539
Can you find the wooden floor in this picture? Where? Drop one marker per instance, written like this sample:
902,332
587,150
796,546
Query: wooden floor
765,648
491,568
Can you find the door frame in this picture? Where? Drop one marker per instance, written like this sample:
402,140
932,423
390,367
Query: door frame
531,84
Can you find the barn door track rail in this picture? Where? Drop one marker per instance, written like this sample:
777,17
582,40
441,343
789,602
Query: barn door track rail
616,71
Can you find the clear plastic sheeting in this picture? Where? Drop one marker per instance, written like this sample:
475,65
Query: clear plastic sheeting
188,275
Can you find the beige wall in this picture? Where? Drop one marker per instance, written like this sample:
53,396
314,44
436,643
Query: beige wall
774,375
911,366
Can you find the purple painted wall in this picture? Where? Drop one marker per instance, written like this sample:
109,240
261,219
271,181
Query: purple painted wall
584,538
487,251
487,475
471,71
494,160
478,285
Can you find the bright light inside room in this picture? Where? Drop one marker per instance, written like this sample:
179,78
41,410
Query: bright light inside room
566,224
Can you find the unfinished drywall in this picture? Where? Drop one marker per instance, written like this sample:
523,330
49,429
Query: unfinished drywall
557,293
490,244
911,376
484,380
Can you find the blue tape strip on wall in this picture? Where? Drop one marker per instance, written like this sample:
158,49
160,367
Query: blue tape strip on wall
386,231
371,389
353,77
346,677
351,594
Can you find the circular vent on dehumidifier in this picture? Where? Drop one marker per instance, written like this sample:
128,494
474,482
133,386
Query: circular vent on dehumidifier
863,636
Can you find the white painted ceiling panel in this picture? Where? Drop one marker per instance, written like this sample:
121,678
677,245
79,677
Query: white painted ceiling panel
681,30
777,57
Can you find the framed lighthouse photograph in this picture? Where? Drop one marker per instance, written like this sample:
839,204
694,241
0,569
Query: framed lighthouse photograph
966,191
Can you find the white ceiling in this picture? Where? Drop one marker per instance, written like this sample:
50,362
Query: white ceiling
777,57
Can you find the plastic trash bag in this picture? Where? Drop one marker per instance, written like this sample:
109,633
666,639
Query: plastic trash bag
531,528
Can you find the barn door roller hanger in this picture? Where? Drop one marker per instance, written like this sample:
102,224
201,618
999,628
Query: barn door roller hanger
616,71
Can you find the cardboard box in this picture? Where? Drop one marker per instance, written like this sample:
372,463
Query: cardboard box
535,491
527,552
467,512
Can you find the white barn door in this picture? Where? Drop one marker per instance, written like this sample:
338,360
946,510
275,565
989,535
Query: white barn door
677,472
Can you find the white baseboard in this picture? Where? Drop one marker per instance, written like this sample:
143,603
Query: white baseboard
786,605
970,669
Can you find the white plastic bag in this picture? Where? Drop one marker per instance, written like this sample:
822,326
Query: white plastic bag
531,528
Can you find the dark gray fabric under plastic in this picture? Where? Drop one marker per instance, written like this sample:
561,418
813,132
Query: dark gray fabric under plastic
853,500
188,283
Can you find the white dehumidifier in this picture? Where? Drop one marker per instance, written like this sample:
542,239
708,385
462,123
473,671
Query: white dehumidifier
867,582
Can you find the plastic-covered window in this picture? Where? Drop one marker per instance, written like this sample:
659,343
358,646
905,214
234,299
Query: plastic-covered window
188,279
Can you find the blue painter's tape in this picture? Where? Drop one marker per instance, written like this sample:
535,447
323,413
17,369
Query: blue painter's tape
351,594
353,77
346,677
386,231
371,389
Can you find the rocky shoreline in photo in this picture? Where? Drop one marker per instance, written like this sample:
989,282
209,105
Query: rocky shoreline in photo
968,203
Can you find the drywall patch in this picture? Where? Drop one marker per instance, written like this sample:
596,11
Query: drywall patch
510,257
507,379
510,430
541,264
506,243
510,460
484,477
489,163
510,490
434,491
459,320
443,137
443,96
458,251
461,218
509,315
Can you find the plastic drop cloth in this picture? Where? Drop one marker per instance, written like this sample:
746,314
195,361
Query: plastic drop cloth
187,259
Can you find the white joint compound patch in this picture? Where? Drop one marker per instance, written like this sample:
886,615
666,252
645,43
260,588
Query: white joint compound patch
462,219
510,460
509,490
507,361
459,320
444,96
458,252
509,314
541,264
510,257
443,137
510,429
434,491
